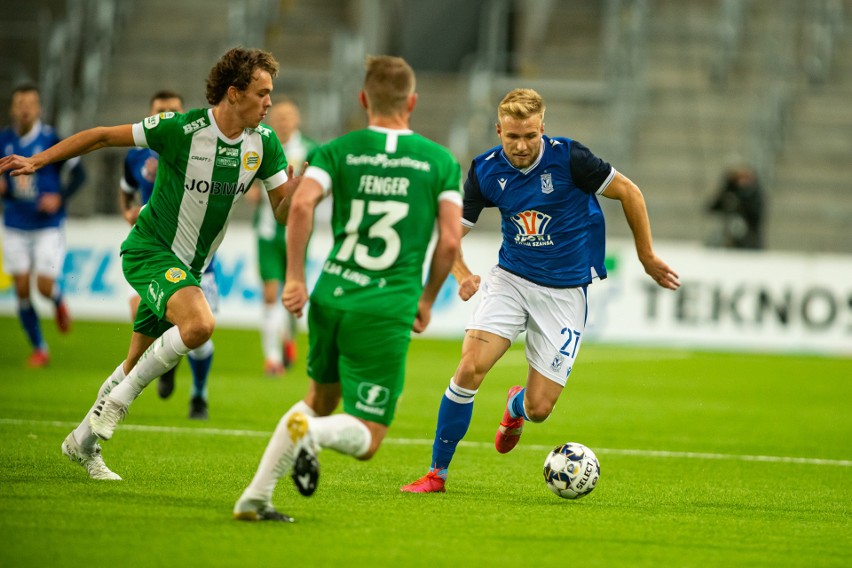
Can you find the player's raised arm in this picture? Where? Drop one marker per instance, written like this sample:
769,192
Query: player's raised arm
75,145
633,203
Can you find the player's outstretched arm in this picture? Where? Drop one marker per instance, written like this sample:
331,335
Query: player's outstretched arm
76,145
633,203
443,257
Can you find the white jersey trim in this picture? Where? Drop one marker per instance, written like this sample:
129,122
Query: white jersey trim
607,181
139,135
277,179
452,196
320,176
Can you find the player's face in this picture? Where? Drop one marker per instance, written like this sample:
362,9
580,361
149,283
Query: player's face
171,104
26,110
521,139
253,103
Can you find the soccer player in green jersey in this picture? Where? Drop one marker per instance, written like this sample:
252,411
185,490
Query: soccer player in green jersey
208,159
391,187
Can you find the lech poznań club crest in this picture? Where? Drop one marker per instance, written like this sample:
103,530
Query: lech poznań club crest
546,183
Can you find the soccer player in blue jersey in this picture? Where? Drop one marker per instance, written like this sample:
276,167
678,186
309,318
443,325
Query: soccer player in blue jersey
553,247
34,218
137,184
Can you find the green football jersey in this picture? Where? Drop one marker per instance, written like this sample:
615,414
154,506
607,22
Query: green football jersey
201,175
386,185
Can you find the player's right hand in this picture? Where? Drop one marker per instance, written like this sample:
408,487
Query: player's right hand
468,287
17,165
294,296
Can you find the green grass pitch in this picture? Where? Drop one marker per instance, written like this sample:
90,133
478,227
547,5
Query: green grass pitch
706,459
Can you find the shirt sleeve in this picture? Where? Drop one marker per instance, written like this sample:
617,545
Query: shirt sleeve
273,168
590,173
474,202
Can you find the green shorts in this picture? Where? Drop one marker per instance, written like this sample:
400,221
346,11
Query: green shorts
272,259
155,275
365,354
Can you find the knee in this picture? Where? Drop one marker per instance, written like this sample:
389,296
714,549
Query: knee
196,332
538,411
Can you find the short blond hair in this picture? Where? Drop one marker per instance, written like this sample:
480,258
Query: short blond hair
521,104
388,84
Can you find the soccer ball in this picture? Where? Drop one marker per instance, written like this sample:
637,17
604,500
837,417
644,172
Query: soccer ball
571,470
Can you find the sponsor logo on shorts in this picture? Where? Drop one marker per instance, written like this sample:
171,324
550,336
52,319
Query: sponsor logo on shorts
370,397
155,294
251,161
175,275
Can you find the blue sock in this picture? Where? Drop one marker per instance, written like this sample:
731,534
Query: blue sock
516,405
30,323
454,417
200,360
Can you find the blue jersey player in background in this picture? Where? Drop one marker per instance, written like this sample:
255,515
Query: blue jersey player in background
34,218
553,247
137,184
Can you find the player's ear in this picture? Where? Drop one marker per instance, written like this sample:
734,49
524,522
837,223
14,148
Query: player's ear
362,98
412,102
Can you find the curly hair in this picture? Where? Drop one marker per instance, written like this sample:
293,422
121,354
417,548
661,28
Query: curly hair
237,68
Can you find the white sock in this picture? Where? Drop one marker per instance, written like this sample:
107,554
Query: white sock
268,472
203,351
161,356
341,432
83,433
272,332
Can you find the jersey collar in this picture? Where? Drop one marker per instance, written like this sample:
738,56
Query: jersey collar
31,136
219,133
532,166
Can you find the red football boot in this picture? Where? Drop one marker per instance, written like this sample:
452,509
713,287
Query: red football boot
509,432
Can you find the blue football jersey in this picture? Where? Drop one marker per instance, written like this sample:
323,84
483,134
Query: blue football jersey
552,224
136,177
20,202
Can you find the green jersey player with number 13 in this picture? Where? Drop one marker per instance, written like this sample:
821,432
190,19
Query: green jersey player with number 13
390,187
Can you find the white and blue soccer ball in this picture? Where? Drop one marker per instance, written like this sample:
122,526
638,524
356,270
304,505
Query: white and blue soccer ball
571,470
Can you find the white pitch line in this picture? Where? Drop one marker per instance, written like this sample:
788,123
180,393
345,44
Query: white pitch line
480,445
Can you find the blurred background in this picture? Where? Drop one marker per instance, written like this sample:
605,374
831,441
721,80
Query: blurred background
676,94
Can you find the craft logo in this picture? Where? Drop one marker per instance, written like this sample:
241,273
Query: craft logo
251,161
546,183
175,275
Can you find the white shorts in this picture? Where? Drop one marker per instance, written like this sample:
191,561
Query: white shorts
208,287
41,251
554,319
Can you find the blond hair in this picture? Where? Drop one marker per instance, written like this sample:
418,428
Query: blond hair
521,104
388,84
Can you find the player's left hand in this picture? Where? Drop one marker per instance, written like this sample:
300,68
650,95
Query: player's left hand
294,296
17,165
661,273
424,315
49,203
